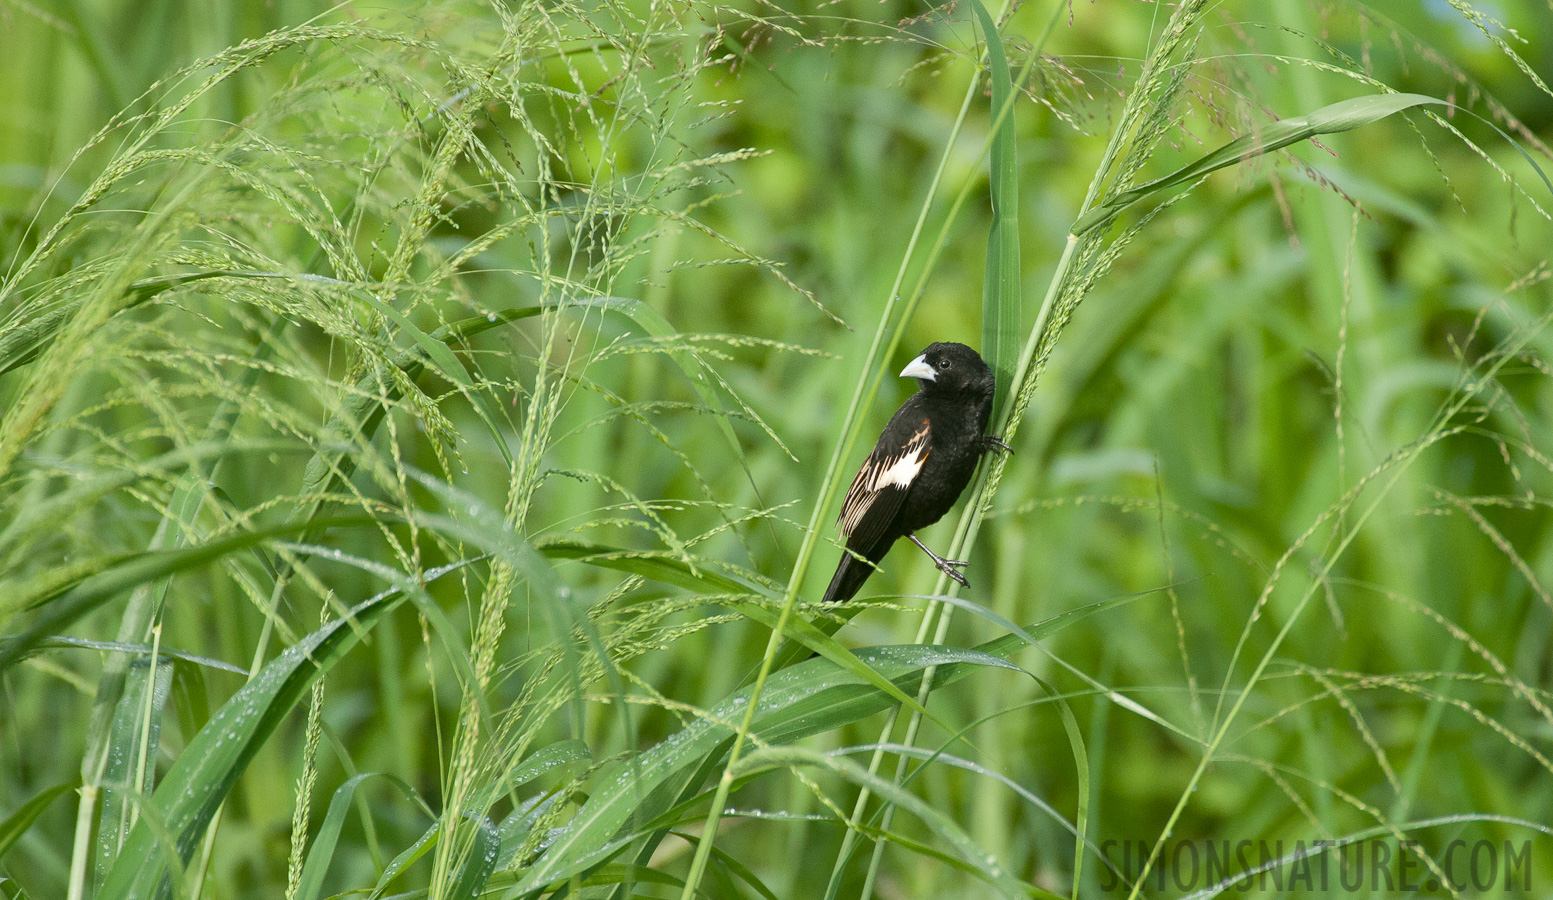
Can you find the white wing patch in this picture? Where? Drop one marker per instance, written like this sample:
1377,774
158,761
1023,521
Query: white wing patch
897,470
901,472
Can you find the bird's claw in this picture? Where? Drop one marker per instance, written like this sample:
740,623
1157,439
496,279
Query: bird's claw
947,566
990,443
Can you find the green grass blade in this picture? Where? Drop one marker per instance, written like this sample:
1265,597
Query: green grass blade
447,365
941,825
407,857
831,649
658,566
26,340
806,699
1000,300
480,863
322,850
204,773
729,862
671,570
1344,115
558,755
124,572
366,405
59,642
1081,772
16,825
622,874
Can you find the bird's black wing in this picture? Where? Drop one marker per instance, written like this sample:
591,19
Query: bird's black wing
883,482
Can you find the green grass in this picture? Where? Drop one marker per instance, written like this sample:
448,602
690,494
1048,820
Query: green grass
421,429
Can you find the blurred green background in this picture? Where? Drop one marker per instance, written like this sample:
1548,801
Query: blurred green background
1304,417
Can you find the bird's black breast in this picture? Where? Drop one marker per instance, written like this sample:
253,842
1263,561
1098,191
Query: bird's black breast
957,430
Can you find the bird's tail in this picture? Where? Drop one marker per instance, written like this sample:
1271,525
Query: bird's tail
849,578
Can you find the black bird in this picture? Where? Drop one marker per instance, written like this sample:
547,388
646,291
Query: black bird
923,461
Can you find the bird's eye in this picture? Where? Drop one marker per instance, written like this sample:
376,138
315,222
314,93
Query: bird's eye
944,364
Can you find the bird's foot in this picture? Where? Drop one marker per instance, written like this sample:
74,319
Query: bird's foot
947,566
990,443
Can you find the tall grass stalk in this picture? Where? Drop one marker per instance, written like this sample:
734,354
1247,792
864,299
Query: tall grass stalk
887,338
1042,337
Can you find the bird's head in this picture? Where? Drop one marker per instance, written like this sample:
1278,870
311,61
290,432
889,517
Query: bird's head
951,369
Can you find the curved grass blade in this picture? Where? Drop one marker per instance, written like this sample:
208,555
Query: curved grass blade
1344,115
685,791
793,651
806,699
16,825
665,568
625,875
727,861
204,773
622,874
837,709
940,756
945,828
367,405
817,640
555,756
52,513
406,858
322,851
27,341
61,642
481,862
447,365
1069,721
672,570
126,572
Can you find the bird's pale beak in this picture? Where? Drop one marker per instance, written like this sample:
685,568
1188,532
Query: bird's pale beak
918,368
